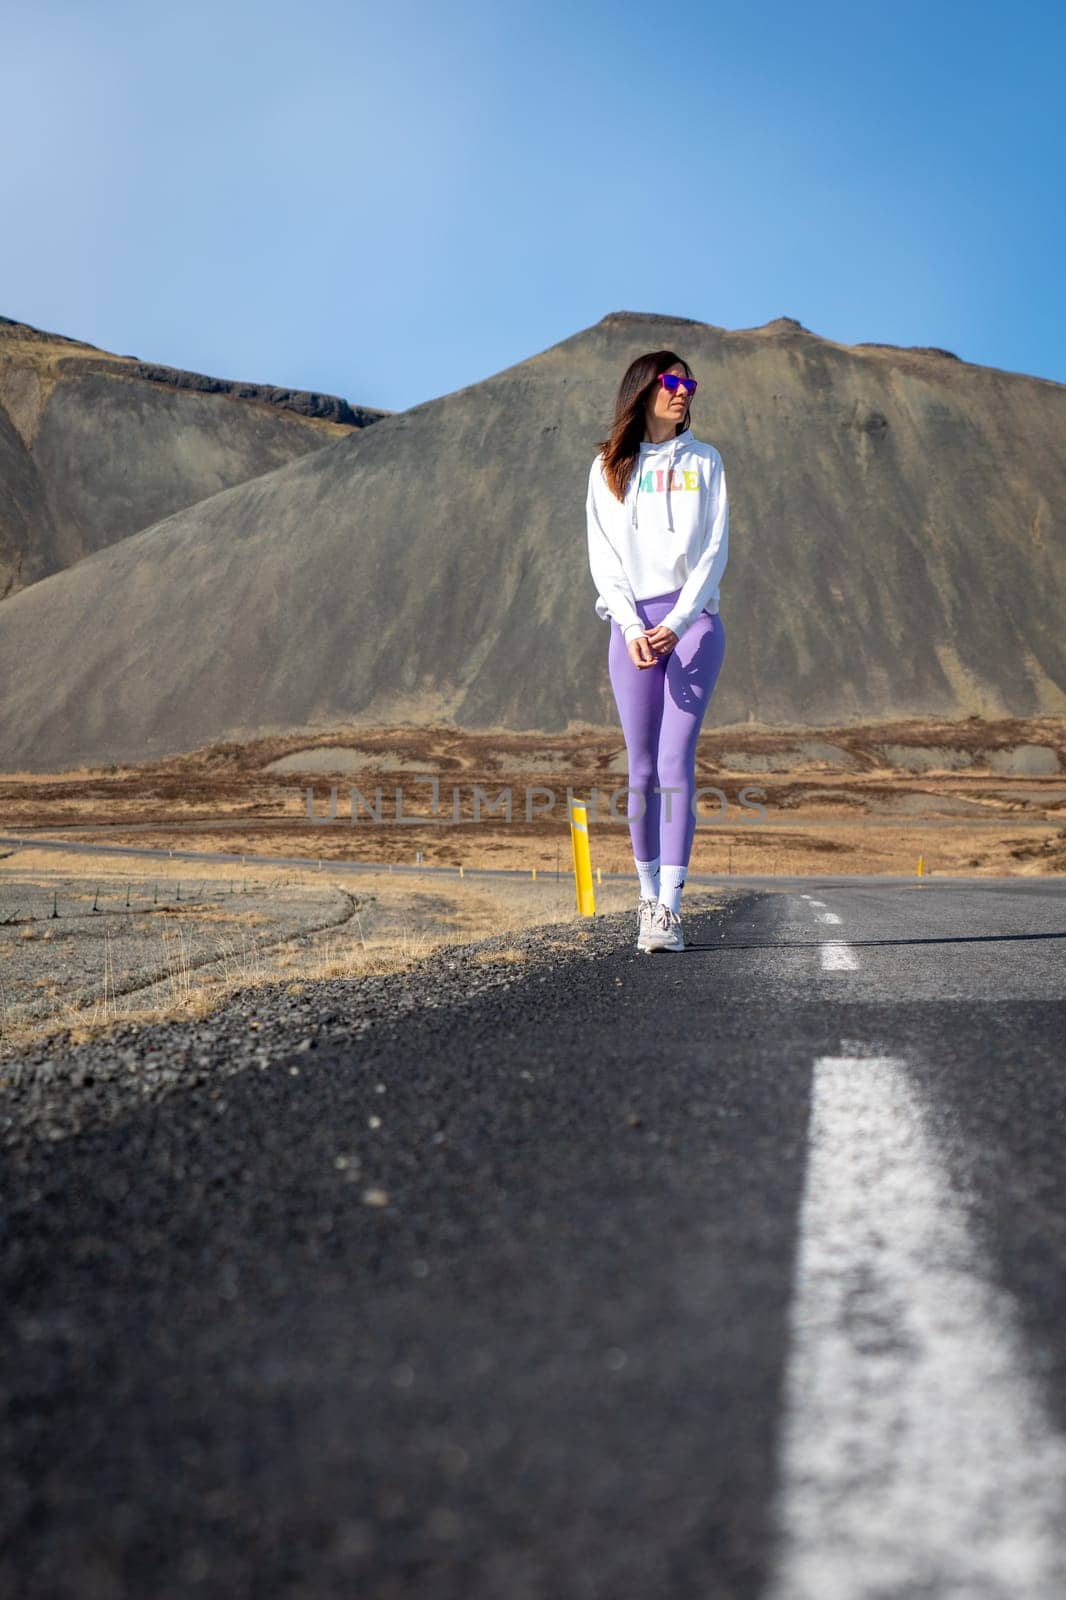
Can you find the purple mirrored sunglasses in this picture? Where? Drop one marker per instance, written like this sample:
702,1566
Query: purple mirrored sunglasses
670,381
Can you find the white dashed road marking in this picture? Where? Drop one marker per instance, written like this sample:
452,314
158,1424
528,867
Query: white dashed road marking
917,1455
837,958
828,916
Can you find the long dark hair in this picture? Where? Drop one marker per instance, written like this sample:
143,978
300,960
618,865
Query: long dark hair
622,448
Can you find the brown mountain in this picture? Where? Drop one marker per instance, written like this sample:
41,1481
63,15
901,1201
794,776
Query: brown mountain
94,446
896,549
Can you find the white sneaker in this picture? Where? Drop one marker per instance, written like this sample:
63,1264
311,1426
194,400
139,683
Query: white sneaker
665,931
645,913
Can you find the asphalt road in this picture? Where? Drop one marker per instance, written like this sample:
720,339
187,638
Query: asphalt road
732,1273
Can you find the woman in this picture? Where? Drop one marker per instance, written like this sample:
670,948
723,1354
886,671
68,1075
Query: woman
658,536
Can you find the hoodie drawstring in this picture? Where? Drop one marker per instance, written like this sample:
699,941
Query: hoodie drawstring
669,481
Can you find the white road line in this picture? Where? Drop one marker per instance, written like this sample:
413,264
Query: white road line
828,916
837,958
917,1456
817,902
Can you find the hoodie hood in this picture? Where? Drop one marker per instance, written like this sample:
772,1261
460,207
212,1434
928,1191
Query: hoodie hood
664,454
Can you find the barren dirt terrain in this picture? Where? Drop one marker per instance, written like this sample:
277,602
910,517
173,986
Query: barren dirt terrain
973,797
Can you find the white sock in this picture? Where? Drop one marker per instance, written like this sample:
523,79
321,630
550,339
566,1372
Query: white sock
671,882
648,872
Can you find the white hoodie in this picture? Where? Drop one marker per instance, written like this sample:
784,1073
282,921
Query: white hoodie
636,550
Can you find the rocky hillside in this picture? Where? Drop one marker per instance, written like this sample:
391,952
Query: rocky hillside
896,550
94,446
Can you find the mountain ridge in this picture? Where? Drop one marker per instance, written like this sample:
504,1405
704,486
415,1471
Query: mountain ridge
94,446
896,550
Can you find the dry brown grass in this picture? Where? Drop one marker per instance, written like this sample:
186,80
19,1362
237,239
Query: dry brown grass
821,817
494,956
194,993
186,992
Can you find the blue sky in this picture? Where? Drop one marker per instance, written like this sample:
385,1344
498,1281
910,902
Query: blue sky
391,203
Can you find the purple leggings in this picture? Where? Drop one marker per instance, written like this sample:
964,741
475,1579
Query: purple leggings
661,709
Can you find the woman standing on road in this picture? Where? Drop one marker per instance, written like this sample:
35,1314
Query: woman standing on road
658,536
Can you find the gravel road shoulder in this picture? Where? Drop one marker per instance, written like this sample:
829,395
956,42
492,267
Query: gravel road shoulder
54,1090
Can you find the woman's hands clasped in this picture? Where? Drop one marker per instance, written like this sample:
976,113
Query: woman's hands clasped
649,647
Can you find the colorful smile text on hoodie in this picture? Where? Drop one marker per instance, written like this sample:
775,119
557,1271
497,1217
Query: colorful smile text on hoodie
671,532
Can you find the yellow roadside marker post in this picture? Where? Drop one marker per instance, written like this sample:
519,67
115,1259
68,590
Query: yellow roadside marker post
579,837
921,865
